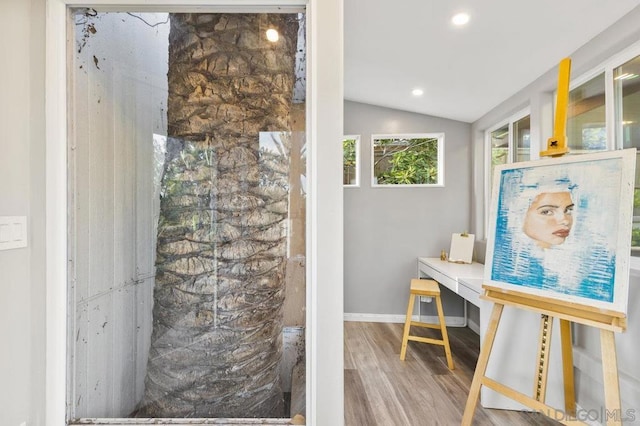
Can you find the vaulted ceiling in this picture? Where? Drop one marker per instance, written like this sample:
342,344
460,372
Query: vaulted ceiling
395,46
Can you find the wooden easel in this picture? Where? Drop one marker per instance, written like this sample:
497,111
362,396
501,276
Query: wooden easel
607,321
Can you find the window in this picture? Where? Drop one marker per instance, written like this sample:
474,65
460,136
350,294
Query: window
522,135
626,80
509,142
184,228
408,160
586,130
499,146
350,163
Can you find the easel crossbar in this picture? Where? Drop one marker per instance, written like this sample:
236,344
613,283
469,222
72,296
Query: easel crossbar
425,325
607,320
527,401
426,340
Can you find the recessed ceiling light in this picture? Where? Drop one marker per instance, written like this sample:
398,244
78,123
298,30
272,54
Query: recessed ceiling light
417,92
272,35
460,19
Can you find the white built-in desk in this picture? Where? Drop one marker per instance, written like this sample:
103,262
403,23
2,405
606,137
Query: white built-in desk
450,273
514,351
462,279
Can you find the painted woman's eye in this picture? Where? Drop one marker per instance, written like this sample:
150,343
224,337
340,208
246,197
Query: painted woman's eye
568,210
546,212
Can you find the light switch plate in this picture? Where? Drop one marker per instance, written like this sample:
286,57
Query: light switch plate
13,232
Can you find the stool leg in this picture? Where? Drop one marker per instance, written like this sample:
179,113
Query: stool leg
407,326
445,336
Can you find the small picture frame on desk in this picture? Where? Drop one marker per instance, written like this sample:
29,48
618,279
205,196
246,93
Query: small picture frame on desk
461,248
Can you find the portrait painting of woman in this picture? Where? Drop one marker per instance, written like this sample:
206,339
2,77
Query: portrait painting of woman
549,218
561,228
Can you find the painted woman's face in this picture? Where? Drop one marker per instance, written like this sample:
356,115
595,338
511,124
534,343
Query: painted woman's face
549,218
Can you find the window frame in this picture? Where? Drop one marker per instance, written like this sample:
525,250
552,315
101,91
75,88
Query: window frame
607,67
488,176
357,165
440,136
579,81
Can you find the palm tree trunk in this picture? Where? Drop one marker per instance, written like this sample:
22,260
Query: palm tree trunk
221,253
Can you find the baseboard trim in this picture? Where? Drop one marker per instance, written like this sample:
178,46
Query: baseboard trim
391,318
475,327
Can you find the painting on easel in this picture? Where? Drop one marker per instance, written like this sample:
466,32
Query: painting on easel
561,228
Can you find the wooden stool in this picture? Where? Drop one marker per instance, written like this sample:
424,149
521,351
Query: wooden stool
426,288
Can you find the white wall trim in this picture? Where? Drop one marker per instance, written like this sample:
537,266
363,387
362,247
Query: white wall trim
474,326
393,318
56,213
325,242
386,318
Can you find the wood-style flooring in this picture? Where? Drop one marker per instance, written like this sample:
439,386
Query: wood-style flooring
381,390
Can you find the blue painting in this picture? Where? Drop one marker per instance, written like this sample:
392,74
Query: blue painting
558,226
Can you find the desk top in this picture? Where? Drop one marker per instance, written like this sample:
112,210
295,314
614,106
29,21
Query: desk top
455,270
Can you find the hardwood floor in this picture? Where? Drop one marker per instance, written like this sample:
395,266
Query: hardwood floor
381,390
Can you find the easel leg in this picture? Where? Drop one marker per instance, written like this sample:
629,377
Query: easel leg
567,368
613,407
481,367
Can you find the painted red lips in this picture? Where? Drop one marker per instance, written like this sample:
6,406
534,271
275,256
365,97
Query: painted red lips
564,233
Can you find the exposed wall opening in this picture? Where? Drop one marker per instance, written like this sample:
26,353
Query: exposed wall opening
187,193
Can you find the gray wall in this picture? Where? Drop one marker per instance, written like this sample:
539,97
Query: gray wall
539,95
386,229
22,186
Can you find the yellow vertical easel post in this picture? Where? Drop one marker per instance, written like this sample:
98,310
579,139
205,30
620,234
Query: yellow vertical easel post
557,144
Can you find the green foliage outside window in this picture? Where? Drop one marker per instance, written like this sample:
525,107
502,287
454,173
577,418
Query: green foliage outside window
348,161
499,156
406,161
635,232
635,237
